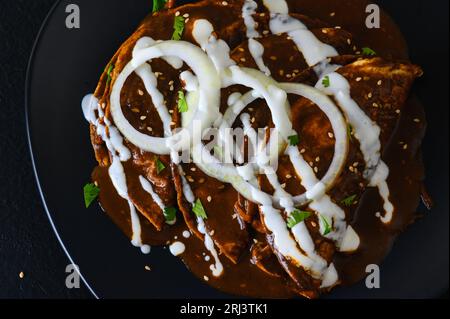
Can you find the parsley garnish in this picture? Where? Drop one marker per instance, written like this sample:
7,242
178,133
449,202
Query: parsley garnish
178,28
91,192
349,201
326,81
297,217
325,225
108,73
182,103
198,210
294,140
159,166
368,51
158,5
170,213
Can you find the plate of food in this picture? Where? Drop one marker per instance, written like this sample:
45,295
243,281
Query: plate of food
208,149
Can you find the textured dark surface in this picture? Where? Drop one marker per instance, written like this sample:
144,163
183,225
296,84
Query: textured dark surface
27,242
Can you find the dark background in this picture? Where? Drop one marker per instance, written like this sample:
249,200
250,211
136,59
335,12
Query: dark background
27,242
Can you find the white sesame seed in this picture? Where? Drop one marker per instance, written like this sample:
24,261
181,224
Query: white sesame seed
143,118
140,92
358,79
177,13
380,82
209,199
224,3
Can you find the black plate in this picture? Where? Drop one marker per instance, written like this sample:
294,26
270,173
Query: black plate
65,66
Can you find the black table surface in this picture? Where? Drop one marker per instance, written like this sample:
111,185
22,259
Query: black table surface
27,242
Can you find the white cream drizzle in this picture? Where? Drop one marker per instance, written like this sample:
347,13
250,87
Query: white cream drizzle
216,69
177,248
114,143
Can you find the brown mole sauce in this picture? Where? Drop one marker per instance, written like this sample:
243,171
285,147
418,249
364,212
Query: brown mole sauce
405,180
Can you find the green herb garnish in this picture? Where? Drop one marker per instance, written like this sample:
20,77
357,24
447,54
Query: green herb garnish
297,217
178,28
170,213
198,210
158,5
325,225
349,201
159,166
368,52
294,140
350,131
326,81
182,103
91,192
109,74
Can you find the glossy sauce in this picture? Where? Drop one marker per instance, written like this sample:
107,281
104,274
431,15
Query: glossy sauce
244,278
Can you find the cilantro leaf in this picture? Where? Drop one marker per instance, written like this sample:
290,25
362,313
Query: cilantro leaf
349,201
178,28
170,213
326,81
159,166
182,103
297,217
109,74
368,52
198,210
294,140
91,192
325,225
158,5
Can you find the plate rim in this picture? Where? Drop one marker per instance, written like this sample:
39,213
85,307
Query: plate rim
29,71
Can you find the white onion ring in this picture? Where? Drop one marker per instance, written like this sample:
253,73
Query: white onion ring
209,99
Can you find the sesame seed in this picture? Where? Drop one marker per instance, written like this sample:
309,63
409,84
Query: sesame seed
380,82
147,268
314,224
243,60
330,135
283,186
177,13
351,169
241,49
209,199
375,105
317,159
325,31
193,169
171,82
398,111
358,79
171,111
149,129
187,20
417,120
173,123
355,164
21,275
288,176
224,3
140,92
332,14
316,169
349,41
311,164
370,95
266,32
202,180
143,118
221,187
190,179
405,147
135,110
186,15
171,88
273,58
281,72
206,278
303,151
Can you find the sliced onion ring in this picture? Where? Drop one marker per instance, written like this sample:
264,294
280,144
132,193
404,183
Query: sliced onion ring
209,91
